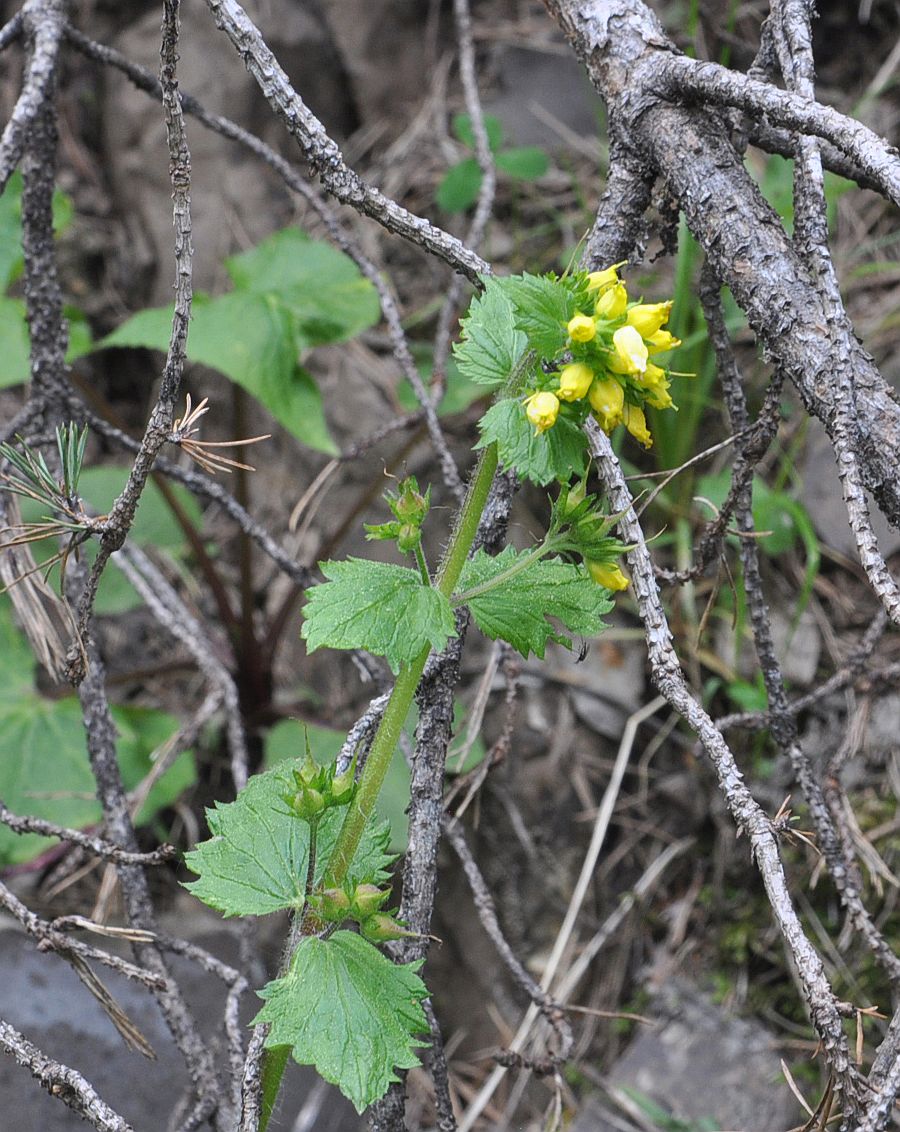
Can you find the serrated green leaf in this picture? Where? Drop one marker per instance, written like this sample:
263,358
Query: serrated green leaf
256,860
524,163
517,609
462,127
45,770
346,1009
557,454
376,606
543,308
491,345
459,187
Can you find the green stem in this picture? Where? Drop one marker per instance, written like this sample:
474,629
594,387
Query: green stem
422,564
548,546
397,709
387,737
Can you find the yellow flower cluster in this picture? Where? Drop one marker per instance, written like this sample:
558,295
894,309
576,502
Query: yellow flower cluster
611,368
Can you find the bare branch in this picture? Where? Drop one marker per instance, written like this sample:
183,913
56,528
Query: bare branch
95,845
322,152
42,22
747,814
62,1082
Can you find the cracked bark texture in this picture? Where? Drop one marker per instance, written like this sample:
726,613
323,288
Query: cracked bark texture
630,62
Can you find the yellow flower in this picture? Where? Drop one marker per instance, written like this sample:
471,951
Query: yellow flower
661,341
600,280
612,302
574,381
629,351
636,423
542,409
656,383
607,574
647,318
581,328
607,398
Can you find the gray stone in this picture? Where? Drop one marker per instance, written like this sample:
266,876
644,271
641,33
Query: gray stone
41,996
700,1063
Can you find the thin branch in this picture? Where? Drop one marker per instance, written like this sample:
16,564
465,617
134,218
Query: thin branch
42,23
323,153
95,845
11,31
62,1082
159,426
747,814
680,76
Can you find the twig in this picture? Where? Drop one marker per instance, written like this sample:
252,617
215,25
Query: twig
323,154
95,845
159,426
62,1082
42,22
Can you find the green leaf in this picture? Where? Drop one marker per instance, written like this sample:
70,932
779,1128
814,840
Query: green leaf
459,188
557,454
46,772
261,358
11,260
291,293
543,307
346,1009
256,860
517,609
525,163
14,341
376,606
319,286
462,127
491,346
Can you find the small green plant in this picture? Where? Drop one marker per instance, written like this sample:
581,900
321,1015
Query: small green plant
304,837
459,189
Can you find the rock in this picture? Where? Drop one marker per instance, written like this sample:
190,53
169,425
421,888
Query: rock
41,996
700,1063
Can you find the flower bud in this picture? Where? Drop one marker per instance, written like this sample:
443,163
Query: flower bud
367,899
636,423
574,381
612,302
542,409
343,785
661,341
600,280
581,328
408,537
381,928
647,318
307,803
607,574
332,904
607,397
